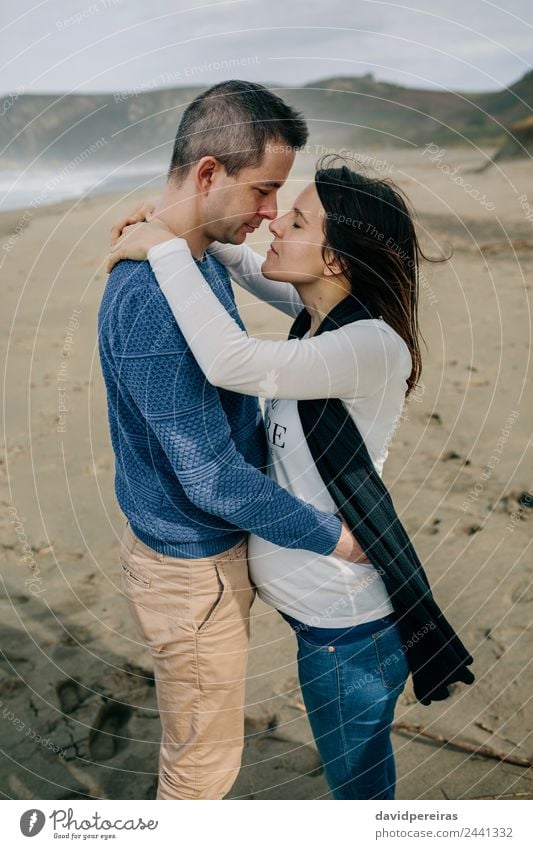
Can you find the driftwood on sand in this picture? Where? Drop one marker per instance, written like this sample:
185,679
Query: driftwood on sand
462,745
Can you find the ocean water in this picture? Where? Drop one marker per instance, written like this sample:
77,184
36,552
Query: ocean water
32,188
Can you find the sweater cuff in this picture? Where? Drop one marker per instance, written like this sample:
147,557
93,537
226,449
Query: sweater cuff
324,539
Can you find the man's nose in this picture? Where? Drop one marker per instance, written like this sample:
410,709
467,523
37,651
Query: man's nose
269,210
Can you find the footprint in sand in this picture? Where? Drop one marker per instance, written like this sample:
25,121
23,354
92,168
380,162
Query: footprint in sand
262,723
521,591
69,695
516,503
496,645
434,527
454,455
15,598
266,741
289,755
105,738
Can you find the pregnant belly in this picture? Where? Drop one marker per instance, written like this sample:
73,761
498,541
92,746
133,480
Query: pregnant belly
317,587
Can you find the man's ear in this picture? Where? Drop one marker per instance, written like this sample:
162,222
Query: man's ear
205,173
332,266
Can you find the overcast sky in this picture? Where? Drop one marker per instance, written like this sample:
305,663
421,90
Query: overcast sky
120,45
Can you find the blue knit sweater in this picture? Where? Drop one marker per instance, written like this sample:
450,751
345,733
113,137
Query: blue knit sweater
188,455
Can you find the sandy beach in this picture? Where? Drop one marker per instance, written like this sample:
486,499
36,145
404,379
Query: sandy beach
77,698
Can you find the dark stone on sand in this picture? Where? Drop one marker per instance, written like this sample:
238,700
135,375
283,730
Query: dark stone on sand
525,499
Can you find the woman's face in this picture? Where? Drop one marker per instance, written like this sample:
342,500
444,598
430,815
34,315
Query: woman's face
295,254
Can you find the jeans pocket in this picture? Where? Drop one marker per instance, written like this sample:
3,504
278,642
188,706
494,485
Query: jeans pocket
313,656
306,643
391,658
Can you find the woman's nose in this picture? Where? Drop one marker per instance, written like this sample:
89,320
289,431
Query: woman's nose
275,228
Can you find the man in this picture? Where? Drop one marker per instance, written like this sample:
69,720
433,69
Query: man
189,456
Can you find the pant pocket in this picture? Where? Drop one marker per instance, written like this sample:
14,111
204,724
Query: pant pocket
223,627
207,601
158,600
150,623
392,659
132,572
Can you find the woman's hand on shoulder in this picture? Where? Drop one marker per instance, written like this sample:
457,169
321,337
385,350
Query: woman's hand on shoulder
136,240
142,212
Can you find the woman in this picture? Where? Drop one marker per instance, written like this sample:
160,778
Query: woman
349,240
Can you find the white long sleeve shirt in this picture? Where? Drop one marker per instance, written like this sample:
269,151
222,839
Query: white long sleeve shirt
366,364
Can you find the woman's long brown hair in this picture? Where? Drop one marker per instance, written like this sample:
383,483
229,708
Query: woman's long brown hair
369,230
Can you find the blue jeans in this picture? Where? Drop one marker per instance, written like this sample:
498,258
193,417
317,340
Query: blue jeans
350,692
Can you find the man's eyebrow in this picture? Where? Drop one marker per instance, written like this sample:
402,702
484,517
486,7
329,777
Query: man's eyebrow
299,212
272,184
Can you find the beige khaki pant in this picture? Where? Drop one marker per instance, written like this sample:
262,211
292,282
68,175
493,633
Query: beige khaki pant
194,617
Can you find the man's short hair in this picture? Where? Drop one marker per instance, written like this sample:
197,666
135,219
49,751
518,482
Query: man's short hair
234,121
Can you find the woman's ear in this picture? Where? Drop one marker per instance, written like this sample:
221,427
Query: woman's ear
332,266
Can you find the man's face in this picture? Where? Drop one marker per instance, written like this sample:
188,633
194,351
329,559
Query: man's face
236,206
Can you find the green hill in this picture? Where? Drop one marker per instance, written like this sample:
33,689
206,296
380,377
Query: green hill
343,111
